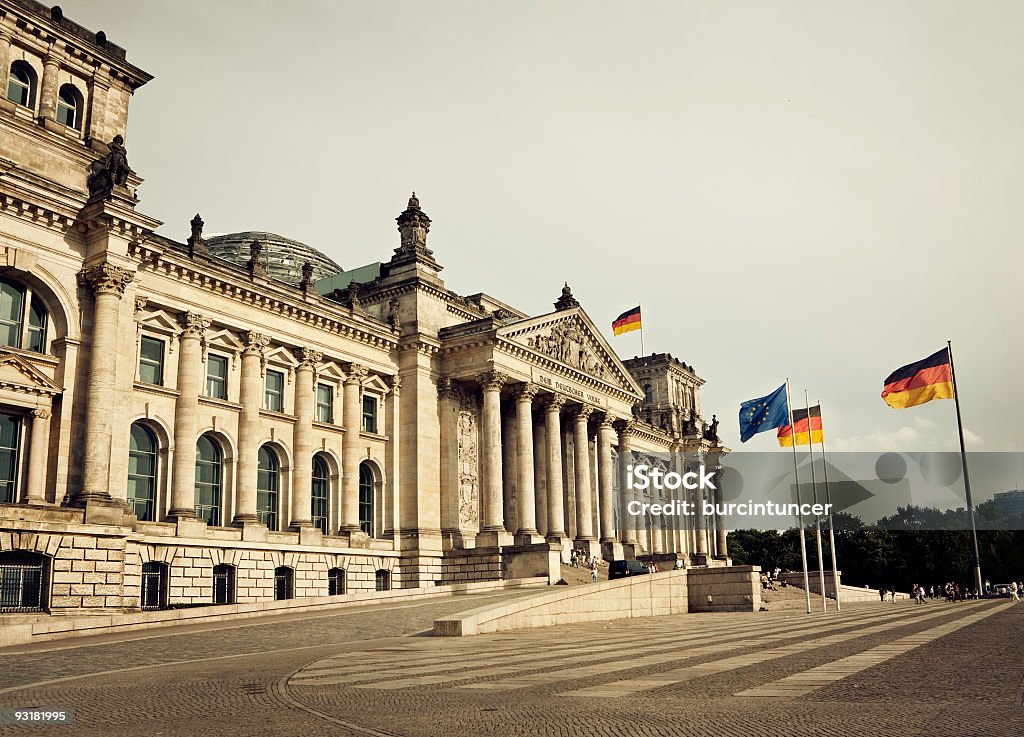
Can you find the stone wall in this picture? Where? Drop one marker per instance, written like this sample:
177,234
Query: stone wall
460,566
725,589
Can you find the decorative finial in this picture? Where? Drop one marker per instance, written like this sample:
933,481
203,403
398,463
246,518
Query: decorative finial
307,277
256,267
566,301
195,241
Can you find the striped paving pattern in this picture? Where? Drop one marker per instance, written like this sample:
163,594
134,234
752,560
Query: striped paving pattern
601,660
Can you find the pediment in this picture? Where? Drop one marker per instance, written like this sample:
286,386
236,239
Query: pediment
18,374
570,339
161,321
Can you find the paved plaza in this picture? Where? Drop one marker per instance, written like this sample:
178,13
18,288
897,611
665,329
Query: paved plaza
936,669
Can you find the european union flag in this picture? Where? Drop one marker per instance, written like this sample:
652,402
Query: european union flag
764,413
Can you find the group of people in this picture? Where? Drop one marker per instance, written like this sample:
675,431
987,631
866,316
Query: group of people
951,591
768,579
580,558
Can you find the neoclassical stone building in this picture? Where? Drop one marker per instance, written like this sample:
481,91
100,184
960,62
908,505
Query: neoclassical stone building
184,422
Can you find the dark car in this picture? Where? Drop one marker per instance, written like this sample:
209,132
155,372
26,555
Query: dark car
623,568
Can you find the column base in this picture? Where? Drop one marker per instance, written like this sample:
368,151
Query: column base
190,527
612,550
178,514
310,535
104,511
528,537
629,549
493,538
699,559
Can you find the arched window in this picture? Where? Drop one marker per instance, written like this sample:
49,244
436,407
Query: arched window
648,394
21,85
336,582
209,471
142,472
23,318
366,499
284,583
23,581
320,485
223,584
268,484
69,106
154,586
10,457
383,580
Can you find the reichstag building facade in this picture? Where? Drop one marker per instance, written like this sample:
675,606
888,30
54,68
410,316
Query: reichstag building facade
241,418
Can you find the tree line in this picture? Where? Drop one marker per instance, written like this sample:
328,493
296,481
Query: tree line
916,545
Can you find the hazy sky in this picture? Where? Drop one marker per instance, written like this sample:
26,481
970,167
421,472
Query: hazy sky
818,190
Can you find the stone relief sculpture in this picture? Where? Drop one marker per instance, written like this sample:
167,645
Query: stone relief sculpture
568,344
469,486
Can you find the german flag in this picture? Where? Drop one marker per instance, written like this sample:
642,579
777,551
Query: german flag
628,320
917,383
808,429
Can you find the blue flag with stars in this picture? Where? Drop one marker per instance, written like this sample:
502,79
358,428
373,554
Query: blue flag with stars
764,413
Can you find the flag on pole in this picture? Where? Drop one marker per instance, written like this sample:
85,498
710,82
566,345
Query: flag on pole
808,428
628,320
763,413
920,382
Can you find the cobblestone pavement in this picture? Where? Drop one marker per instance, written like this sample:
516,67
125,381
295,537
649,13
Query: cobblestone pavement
938,669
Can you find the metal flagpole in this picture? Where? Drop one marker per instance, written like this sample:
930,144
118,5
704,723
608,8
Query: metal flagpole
967,479
641,308
800,516
814,493
831,527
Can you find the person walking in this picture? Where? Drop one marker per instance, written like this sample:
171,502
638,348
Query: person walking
1013,591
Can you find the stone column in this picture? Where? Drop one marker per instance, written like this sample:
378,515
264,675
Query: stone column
493,532
698,516
108,283
627,522
527,532
250,395
352,420
540,475
509,469
448,410
556,500
721,545
39,439
683,522
584,493
48,88
302,468
605,472
186,416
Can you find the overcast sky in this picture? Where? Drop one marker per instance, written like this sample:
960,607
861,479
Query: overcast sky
818,190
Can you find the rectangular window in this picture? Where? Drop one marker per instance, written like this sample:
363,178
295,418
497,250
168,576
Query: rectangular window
151,361
324,403
273,395
370,414
216,376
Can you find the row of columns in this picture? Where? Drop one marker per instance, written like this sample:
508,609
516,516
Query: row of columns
539,465
108,283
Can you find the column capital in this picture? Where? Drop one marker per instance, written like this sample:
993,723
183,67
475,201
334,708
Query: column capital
606,421
526,392
356,373
624,428
308,358
554,403
395,383
255,343
581,412
106,279
42,414
445,387
193,325
492,380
